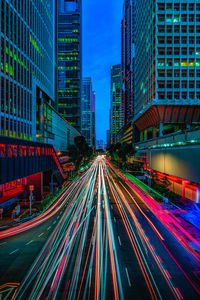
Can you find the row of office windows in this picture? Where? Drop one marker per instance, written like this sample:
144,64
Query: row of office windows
15,100
178,29
178,6
178,40
179,96
169,18
164,51
178,73
178,84
15,128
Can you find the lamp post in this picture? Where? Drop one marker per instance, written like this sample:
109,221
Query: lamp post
148,177
31,188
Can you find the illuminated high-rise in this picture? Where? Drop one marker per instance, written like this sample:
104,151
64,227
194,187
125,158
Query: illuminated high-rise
27,64
127,60
167,66
93,121
69,60
115,101
86,109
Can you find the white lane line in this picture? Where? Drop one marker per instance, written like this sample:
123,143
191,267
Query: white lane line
29,242
119,240
54,222
14,251
111,207
114,219
128,277
48,227
3,243
57,217
40,234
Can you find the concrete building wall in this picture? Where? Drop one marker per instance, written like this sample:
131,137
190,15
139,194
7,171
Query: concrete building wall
63,132
180,162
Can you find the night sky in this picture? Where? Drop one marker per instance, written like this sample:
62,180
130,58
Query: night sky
101,49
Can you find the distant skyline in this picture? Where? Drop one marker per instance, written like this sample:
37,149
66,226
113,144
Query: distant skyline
101,49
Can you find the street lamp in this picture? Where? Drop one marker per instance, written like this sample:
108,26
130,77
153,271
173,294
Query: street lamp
31,188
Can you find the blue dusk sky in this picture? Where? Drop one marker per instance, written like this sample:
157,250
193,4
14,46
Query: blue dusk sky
101,49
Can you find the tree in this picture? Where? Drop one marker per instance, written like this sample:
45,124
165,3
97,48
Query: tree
81,144
120,151
163,184
73,153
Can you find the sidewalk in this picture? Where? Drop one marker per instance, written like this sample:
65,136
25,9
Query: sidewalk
8,221
187,210
176,219
187,214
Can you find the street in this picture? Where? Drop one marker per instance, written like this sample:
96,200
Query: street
100,241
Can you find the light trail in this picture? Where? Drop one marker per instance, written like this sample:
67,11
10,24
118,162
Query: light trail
169,221
81,259
49,213
175,290
67,243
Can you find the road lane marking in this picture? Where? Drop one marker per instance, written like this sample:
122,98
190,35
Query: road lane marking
119,240
48,227
90,280
3,243
114,219
57,217
128,277
40,234
29,242
14,251
54,222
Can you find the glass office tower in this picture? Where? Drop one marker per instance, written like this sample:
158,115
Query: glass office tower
116,101
127,60
69,60
27,63
167,66
87,105
93,120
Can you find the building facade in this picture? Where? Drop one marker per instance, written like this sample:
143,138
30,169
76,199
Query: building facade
101,145
127,60
31,129
125,135
86,109
93,121
108,138
27,64
115,101
69,60
167,66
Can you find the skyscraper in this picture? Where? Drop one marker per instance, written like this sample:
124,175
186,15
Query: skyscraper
87,122
167,66
127,60
93,121
108,138
116,105
69,60
27,64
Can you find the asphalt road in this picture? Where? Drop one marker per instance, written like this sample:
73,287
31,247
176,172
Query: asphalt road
103,242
